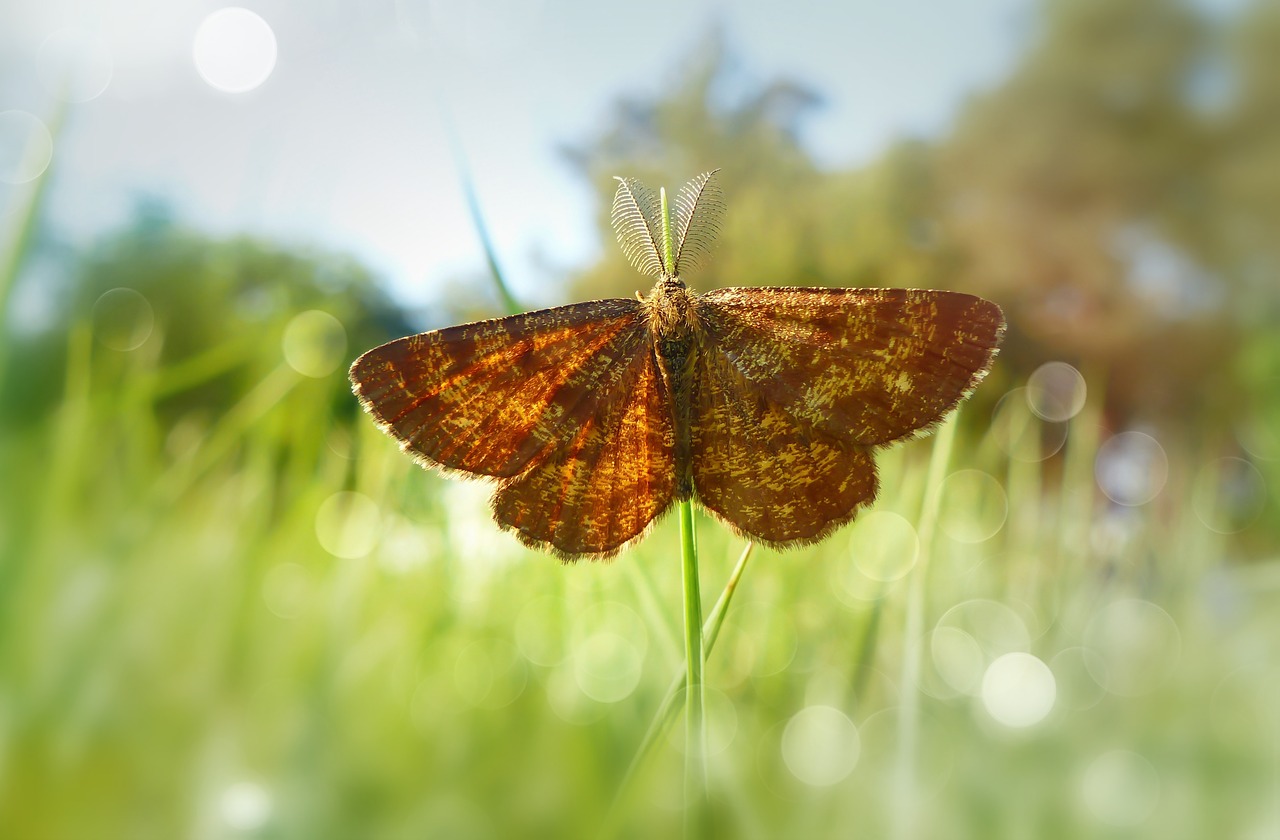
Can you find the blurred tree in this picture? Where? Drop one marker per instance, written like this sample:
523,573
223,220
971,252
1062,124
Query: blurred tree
1246,171
1090,194
218,306
701,125
1074,190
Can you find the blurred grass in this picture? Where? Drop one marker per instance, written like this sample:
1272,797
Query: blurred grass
272,624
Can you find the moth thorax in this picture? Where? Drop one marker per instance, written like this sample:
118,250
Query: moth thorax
670,311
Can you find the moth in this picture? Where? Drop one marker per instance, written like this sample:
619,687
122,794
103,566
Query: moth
764,405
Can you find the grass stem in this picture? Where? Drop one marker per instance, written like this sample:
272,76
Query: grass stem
695,721
904,785
669,707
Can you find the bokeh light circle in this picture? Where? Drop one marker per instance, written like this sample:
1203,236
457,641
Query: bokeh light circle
348,524
314,343
1259,430
286,589
567,699
1137,645
957,658
1121,788
123,319
820,746
970,636
607,667
762,641
1021,434
973,508
234,50
406,546
1229,495
245,806
1131,468
75,65
612,617
883,546
721,720
1056,392
489,673
1018,690
26,147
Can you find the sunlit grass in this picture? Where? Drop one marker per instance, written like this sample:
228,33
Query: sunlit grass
270,622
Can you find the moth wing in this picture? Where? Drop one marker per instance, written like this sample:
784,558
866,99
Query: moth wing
767,476
866,366
617,474
495,397
794,387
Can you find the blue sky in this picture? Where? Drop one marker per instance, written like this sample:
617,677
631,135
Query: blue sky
343,145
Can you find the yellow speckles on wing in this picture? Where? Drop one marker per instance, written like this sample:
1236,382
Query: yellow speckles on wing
761,472
494,397
866,366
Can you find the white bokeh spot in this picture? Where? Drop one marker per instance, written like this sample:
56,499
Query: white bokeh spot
974,506
820,746
314,343
245,806
607,667
1131,468
1018,690
348,524
1056,392
234,50
26,147
123,319
1121,788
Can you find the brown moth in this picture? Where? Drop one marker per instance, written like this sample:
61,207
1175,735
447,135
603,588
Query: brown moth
764,405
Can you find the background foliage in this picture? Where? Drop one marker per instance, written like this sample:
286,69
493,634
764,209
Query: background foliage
228,606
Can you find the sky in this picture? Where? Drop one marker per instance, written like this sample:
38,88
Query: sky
324,123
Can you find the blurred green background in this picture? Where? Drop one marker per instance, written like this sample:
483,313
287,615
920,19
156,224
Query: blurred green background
229,607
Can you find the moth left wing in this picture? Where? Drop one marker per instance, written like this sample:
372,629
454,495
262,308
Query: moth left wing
496,397
605,487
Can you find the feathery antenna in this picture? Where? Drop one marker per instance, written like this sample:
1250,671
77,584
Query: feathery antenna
636,220
699,209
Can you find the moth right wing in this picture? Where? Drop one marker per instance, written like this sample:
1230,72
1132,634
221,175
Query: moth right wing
795,386
867,366
767,476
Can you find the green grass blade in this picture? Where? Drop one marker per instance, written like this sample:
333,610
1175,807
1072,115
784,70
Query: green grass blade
670,706
695,719
909,720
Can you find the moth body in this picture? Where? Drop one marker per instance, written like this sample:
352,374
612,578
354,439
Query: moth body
674,331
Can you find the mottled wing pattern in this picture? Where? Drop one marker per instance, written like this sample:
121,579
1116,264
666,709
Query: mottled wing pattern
612,480
563,406
794,386
866,366
763,474
494,397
